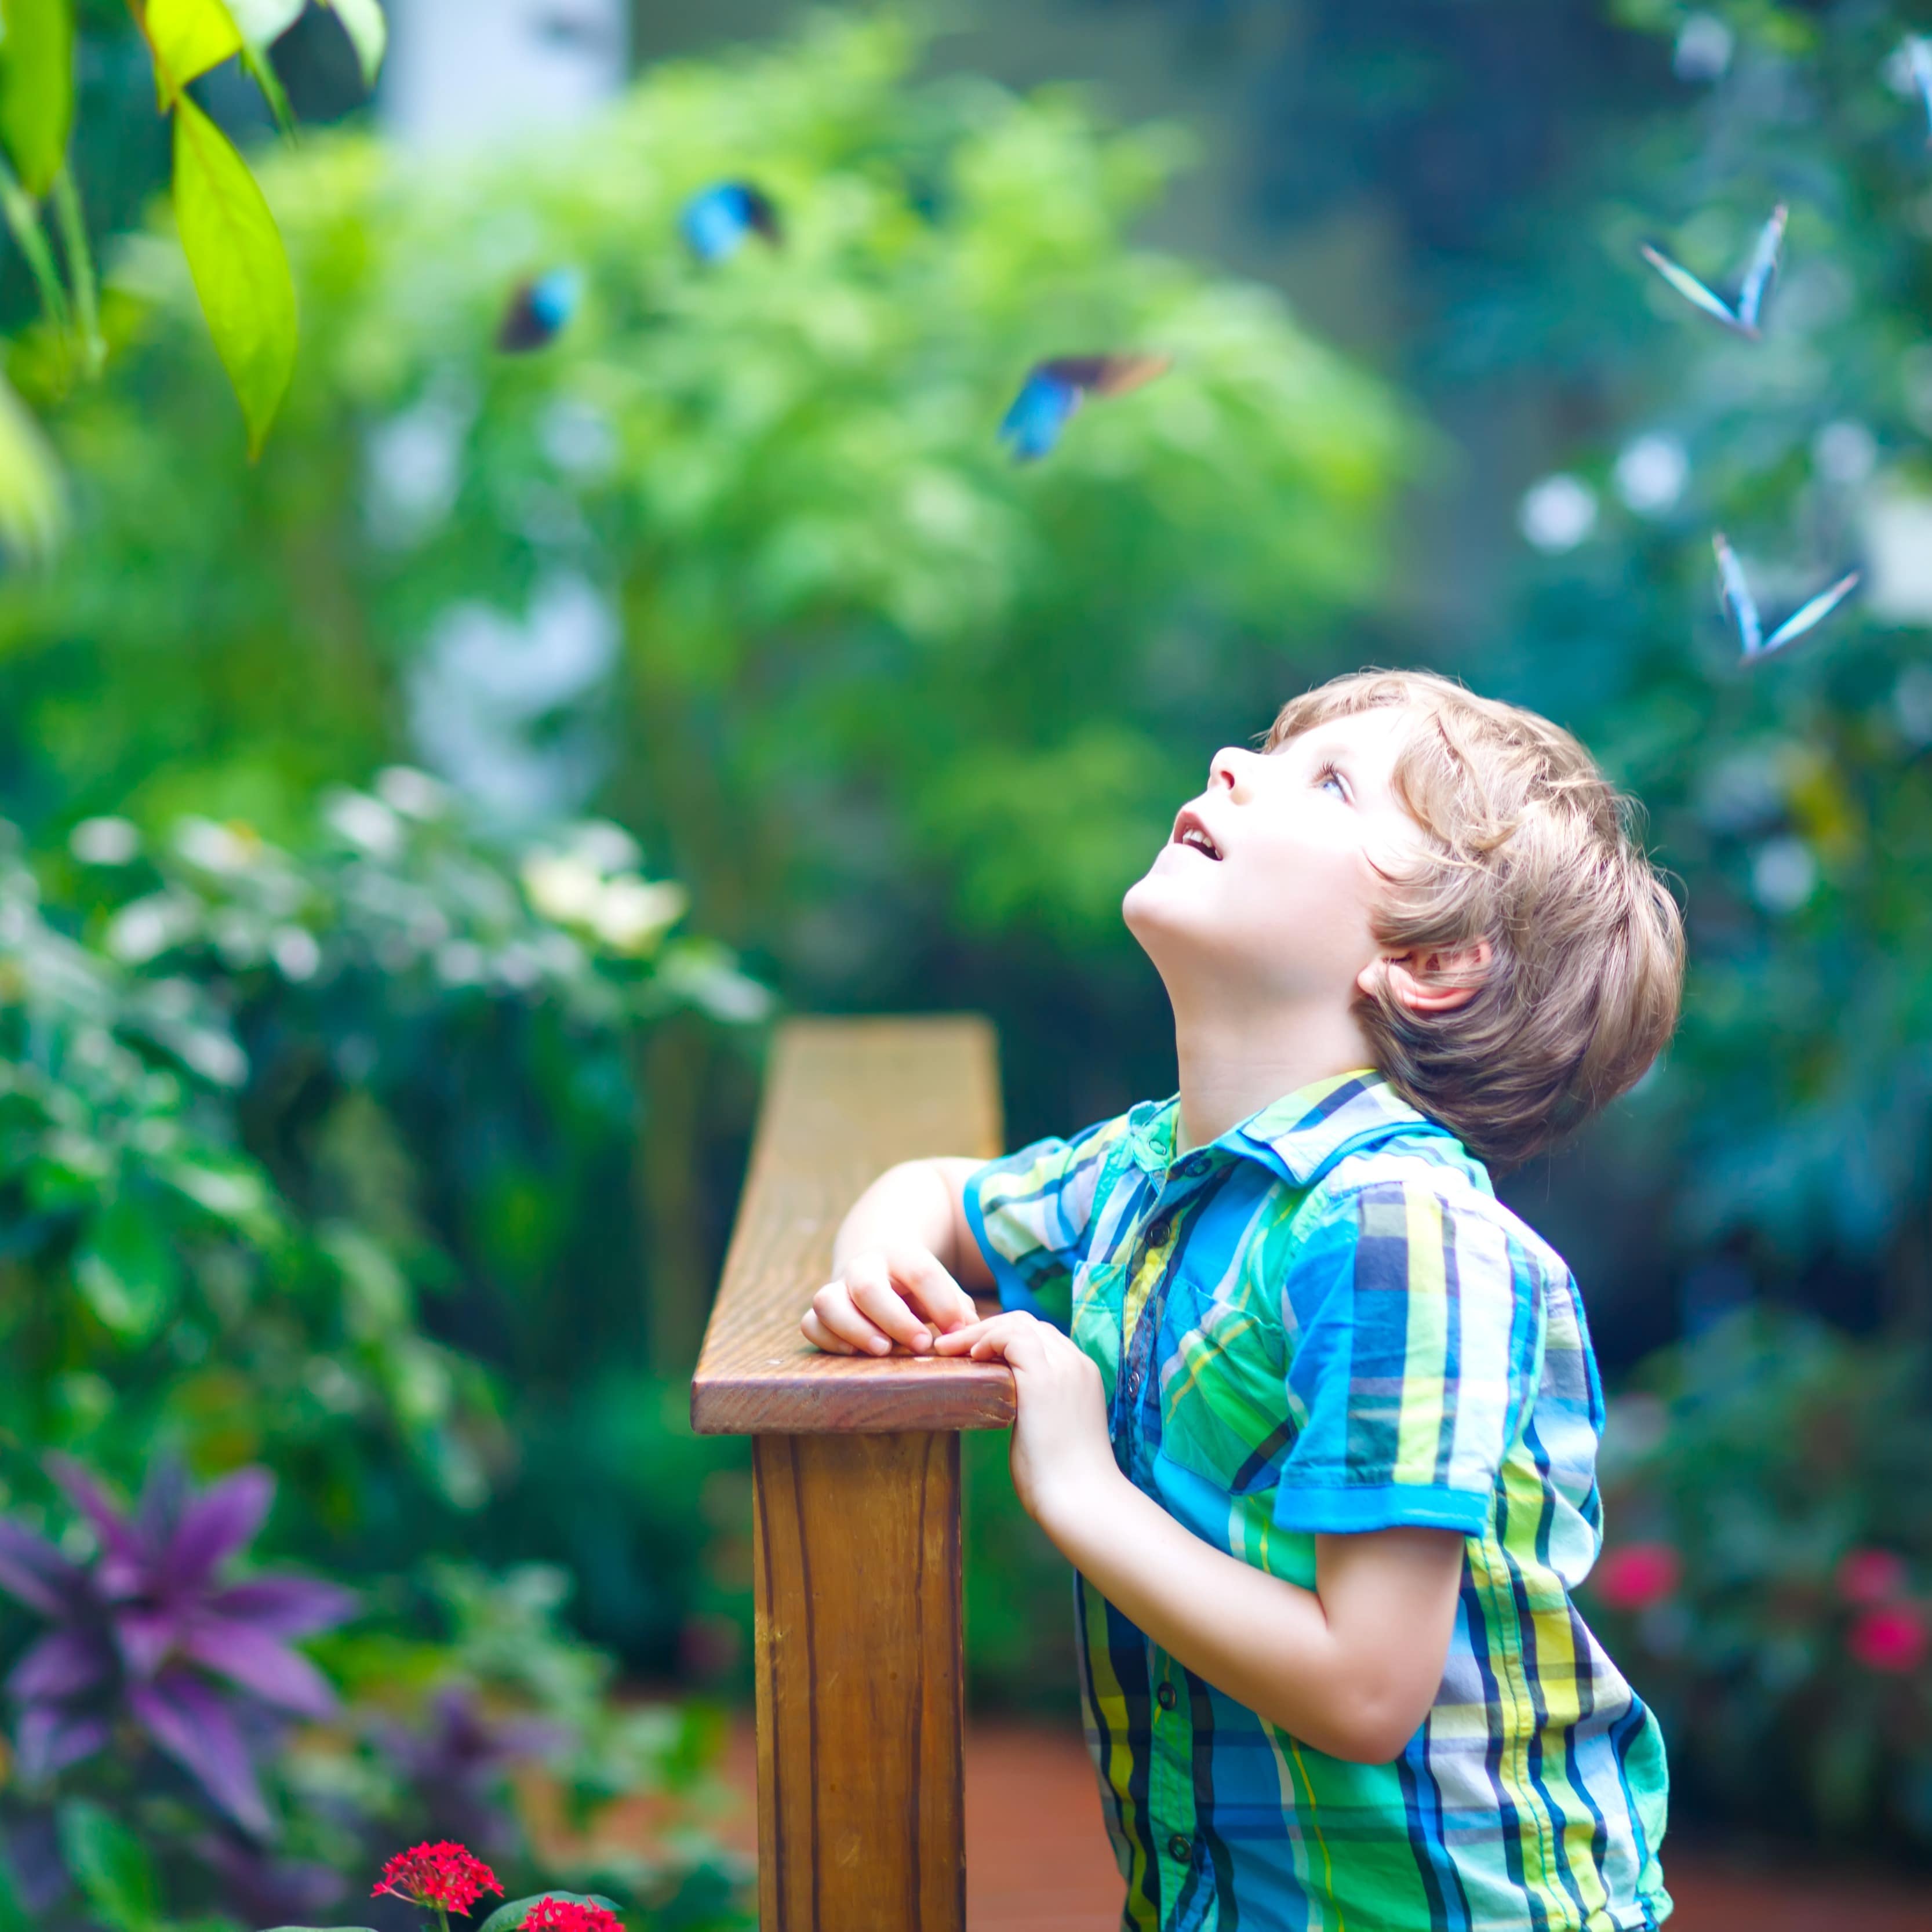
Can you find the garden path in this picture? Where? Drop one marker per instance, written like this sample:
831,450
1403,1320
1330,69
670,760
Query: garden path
1037,1861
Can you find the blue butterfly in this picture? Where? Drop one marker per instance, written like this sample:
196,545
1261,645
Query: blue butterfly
1735,599
1918,64
539,309
1054,390
1743,316
717,220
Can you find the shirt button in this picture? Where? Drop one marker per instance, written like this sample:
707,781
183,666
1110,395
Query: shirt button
1164,1697
1156,1232
1179,1849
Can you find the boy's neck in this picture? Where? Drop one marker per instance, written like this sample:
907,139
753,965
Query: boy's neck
1234,1062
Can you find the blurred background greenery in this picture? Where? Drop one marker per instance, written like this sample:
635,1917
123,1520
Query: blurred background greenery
412,832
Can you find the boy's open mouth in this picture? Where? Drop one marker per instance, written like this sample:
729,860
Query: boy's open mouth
1189,830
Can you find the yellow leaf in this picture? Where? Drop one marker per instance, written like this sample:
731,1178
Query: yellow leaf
36,88
186,38
33,505
241,270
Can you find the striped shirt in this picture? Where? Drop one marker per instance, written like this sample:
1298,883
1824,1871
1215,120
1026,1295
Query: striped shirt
1325,1320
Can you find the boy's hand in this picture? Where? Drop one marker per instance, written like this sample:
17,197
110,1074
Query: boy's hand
1061,1448
872,1304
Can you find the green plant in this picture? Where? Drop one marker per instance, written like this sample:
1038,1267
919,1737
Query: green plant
1767,1580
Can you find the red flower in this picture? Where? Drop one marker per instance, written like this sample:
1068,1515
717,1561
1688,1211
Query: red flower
564,1914
1639,1575
1871,1576
446,1876
1892,1637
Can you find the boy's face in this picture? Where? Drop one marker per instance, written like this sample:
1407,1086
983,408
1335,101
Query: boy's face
1285,912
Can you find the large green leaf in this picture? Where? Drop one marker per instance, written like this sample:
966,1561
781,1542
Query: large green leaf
241,270
509,1917
33,505
368,31
109,1866
36,87
186,38
126,1271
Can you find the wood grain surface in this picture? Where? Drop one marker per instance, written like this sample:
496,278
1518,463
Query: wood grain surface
843,1100
861,1777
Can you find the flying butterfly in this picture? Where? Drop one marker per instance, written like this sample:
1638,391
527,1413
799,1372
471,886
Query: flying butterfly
1743,315
1918,64
717,220
1735,598
537,310
1055,389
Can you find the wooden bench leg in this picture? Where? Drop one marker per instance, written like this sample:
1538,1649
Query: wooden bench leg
861,1825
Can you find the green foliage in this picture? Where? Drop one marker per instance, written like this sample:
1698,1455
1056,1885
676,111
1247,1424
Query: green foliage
1783,1464
1792,798
36,88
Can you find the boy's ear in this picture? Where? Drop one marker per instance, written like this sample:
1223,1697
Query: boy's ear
1433,981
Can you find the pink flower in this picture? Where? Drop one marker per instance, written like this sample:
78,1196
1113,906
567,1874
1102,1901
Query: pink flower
1891,1637
565,1914
444,1875
1868,1576
1639,1575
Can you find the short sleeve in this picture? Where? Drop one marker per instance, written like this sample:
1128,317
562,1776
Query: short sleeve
1414,1320
1032,1214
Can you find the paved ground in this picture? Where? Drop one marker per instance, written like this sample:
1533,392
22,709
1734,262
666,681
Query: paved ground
1037,1861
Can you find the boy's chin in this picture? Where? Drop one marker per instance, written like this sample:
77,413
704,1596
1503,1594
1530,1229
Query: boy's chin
1160,917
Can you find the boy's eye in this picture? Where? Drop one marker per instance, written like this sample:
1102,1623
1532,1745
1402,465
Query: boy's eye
1329,779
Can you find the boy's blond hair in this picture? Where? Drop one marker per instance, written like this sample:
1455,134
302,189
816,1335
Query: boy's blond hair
1530,849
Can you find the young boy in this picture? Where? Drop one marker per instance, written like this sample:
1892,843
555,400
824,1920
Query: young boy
1312,1416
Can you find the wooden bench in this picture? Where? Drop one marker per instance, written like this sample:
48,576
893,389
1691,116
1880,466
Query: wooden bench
856,1474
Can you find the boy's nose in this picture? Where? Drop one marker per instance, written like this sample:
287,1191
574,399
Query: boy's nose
1228,772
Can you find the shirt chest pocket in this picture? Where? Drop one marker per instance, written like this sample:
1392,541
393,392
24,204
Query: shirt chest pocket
1224,1411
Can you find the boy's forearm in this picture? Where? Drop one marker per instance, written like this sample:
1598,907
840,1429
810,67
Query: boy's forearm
1266,1642
917,1204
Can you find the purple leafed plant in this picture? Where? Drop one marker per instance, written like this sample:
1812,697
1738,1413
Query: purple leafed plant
148,1635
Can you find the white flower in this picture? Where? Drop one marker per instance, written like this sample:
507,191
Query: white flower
1650,474
630,914
213,847
104,841
1558,513
296,954
562,886
414,793
365,821
145,927
607,847
1704,47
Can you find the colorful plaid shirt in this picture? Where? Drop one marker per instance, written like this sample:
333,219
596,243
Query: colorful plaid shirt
1325,1320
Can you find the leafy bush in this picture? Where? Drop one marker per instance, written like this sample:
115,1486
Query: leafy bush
1768,1583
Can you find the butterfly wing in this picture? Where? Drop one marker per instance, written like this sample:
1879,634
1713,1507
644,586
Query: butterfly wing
1808,616
1041,410
1693,291
1734,596
1112,375
761,214
554,298
714,222
1918,59
1763,267
521,328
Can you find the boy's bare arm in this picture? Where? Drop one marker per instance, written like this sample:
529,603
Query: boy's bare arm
902,1262
1351,1666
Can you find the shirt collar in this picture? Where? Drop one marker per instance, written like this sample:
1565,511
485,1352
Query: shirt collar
1301,1135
